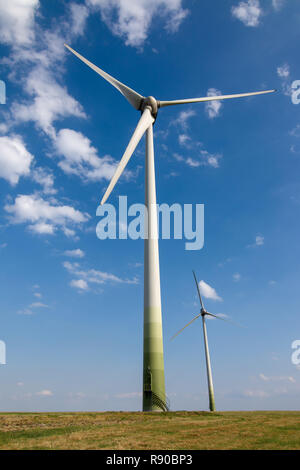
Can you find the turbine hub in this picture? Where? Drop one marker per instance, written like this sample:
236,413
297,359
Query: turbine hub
151,103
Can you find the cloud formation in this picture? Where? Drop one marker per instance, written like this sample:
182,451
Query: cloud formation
92,276
17,21
15,160
283,71
277,378
131,19
208,291
248,12
81,158
203,158
213,108
43,216
183,117
50,102
45,393
78,253
259,241
278,4
79,284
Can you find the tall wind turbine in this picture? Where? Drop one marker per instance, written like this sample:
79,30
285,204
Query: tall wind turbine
203,313
154,396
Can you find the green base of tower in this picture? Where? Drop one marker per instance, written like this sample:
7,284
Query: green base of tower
154,396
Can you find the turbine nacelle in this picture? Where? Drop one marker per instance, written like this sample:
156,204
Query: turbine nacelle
151,103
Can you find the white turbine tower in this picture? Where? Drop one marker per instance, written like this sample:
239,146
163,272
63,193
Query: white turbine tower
203,313
154,397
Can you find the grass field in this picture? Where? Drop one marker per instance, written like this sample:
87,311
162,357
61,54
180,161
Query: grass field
170,431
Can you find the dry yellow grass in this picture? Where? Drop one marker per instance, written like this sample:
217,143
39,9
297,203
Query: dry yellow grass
157,431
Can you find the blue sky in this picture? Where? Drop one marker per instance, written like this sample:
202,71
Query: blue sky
72,305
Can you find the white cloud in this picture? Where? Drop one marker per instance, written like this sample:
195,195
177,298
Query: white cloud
79,15
278,4
69,233
17,21
38,305
256,394
4,128
228,260
80,284
42,228
78,253
236,277
178,157
293,149
208,159
204,159
283,71
80,157
25,311
277,378
183,117
34,305
213,108
208,292
296,131
15,160
93,276
248,12
29,310
131,19
45,216
184,139
137,265
45,178
45,393
259,240
50,101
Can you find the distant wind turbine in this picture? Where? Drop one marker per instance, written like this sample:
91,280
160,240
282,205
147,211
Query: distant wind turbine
203,313
154,396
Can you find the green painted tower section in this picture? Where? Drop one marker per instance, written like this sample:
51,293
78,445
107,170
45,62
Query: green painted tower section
154,395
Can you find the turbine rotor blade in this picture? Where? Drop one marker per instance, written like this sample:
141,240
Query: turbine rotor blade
195,318
198,289
212,98
145,121
224,319
134,98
